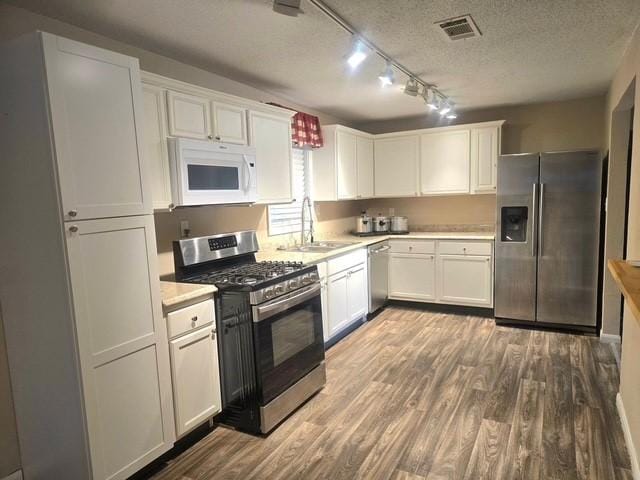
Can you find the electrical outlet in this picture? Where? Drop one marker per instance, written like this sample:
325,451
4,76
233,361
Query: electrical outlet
184,228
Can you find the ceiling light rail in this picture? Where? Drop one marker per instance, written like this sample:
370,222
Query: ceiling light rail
360,41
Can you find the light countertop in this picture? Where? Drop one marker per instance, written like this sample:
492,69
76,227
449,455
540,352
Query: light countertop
272,254
174,293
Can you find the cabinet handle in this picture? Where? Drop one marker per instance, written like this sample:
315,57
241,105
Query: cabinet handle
210,137
217,137
73,213
194,319
73,228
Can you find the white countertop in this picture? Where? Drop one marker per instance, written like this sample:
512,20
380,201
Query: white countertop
174,293
272,254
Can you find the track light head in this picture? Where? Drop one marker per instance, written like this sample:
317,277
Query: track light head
432,101
358,53
411,88
445,108
452,115
386,77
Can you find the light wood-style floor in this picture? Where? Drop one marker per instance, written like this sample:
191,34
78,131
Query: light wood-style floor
418,395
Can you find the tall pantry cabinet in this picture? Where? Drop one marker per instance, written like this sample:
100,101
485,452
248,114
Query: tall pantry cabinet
79,288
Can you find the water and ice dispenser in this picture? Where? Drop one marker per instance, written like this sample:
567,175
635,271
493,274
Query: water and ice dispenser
514,224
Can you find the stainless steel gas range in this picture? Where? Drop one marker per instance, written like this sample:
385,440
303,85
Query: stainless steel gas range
269,319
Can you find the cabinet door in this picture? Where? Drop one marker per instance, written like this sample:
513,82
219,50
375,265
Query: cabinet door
364,156
271,136
444,162
189,116
229,123
347,168
484,159
155,145
196,379
97,114
396,166
122,342
412,277
465,280
338,303
357,292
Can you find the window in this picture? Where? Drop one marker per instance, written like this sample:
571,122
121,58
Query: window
287,217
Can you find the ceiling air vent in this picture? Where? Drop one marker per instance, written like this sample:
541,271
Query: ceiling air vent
459,27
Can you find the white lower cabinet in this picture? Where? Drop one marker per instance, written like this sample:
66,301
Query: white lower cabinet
346,292
412,276
457,272
465,280
195,370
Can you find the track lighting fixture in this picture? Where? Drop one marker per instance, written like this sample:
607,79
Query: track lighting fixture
452,115
361,47
411,88
386,77
358,53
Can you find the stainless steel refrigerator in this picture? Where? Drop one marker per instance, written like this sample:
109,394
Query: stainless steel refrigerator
548,235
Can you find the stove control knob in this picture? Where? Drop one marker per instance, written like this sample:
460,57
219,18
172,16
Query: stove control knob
279,289
294,283
268,292
313,276
305,279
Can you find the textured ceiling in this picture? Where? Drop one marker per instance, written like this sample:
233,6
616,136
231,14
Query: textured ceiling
530,51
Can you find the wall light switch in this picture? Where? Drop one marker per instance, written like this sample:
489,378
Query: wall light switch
184,228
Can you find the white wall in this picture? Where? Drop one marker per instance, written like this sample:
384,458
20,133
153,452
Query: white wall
630,367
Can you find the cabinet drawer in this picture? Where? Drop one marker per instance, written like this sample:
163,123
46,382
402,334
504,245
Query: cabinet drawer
190,318
346,261
412,246
465,248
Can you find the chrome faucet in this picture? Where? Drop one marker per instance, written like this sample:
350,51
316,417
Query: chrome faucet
306,201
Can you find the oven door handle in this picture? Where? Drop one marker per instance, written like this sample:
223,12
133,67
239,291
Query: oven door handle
276,306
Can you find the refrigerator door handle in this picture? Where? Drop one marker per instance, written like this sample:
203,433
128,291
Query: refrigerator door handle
534,219
540,223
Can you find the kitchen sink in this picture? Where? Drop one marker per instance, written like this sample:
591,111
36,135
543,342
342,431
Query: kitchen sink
318,247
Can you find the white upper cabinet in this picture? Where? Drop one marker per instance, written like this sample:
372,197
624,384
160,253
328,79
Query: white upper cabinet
343,167
271,136
155,145
364,156
347,167
485,148
229,123
396,166
189,115
96,108
444,162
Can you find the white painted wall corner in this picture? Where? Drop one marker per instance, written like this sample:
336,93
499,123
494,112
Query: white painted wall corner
635,468
14,476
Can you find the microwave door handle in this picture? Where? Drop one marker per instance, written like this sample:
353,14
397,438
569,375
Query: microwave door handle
247,182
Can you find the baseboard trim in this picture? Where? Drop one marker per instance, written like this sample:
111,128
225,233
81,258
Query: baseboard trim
635,468
608,338
14,476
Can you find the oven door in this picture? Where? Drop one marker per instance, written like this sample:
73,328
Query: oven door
205,173
288,340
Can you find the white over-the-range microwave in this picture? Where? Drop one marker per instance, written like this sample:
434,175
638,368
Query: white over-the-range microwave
204,173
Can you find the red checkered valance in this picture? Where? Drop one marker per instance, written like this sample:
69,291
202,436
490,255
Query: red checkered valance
305,129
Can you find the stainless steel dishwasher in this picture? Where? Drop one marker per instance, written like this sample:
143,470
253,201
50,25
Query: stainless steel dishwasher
378,254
